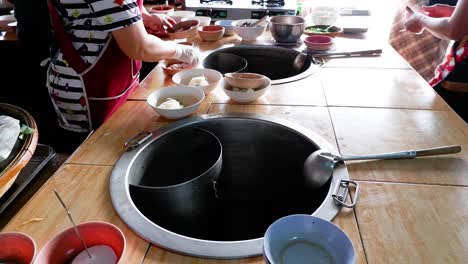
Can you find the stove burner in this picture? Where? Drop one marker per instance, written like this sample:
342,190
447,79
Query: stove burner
216,2
269,3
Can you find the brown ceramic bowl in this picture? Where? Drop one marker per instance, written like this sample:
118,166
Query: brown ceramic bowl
161,9
169,66
184,29
211,33
245,80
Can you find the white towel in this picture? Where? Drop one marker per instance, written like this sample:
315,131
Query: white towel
9,132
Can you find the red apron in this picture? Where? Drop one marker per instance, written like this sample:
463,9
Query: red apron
108,82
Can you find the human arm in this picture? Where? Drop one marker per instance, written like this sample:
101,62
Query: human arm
137,44
452,27
156,21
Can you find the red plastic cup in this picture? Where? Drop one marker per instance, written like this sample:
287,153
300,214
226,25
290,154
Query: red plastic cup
16,248
65,246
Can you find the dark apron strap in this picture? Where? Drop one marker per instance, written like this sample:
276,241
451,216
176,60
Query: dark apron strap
63,41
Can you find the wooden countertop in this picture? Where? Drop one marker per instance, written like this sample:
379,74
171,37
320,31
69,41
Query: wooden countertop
410,211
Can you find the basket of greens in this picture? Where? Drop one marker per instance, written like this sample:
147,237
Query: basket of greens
18,141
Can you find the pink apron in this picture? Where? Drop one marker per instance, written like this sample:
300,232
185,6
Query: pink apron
108,82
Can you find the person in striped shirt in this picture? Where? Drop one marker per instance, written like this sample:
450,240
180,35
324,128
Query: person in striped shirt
95,65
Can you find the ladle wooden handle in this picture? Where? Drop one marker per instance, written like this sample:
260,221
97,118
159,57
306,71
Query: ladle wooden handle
438,151
404,154
349,53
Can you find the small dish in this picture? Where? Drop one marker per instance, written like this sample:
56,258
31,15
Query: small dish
184,29
306,239
179,15
326,30
229,30
161,9
245,80
189,97
65,246
241,95
318,42
248,33
16,248
171,67
204,20
211,33
213,77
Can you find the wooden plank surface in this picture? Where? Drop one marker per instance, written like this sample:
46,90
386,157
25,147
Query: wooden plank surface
316,119
379,88
345,220
85,190
307,91
106,145
371,130
407,223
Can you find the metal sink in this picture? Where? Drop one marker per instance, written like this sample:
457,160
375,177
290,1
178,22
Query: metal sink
261,181
271,61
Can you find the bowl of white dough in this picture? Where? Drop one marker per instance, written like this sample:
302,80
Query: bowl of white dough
176,102
205,79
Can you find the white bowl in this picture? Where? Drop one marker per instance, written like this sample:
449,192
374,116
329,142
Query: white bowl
229,30
179,15
246,95
191,98
248,33
325,15
306,239
183,78
204,20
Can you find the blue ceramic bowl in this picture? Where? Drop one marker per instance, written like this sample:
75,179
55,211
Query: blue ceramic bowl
306,239
227,25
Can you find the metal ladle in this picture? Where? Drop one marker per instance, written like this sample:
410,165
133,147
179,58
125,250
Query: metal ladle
318,167
301,59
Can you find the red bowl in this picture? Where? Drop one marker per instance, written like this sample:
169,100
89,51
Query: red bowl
211,33
318,42
161,9
65,246
16,248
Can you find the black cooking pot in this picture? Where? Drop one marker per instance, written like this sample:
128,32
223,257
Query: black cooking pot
225,62
174,181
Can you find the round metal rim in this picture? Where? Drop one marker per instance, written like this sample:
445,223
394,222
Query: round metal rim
126,209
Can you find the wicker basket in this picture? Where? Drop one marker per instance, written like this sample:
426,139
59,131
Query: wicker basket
26,150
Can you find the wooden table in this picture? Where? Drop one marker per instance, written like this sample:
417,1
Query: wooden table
409,211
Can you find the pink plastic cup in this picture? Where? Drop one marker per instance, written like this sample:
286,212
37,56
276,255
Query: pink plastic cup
16,248
65,246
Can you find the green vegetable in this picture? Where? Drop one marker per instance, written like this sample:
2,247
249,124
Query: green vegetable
25,130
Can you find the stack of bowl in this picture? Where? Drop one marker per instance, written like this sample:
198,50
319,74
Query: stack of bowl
245,87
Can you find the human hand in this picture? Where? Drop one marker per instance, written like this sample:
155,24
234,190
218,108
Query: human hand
185,54
156,22
438,10
413,23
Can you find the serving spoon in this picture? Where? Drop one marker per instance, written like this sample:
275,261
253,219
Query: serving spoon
301,59
318,167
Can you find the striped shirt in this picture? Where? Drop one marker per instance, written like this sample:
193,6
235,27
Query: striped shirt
89,24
